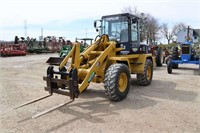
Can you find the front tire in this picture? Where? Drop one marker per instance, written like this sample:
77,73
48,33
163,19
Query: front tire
117,82
169,66
146,78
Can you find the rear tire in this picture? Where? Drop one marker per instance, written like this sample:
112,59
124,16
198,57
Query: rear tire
117,82
175,53
159,57
146,78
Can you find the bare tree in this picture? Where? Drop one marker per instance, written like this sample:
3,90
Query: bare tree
179,26
169,35
130,10
153,28
166,32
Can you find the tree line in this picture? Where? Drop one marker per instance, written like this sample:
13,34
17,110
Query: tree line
150,28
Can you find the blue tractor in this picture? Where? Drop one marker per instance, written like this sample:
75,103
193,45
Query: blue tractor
188,55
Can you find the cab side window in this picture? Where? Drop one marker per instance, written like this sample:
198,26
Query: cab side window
134,33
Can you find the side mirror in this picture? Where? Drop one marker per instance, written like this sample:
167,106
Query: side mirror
95,24
134,20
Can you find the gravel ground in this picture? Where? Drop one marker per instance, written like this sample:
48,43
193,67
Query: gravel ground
170,104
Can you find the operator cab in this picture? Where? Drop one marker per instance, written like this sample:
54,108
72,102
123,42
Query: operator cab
123,28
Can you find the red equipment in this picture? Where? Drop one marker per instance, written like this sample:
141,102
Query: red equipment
12,49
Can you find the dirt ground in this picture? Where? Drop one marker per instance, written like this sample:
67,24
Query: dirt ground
170,104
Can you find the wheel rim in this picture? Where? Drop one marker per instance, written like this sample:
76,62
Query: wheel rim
149,72
122,84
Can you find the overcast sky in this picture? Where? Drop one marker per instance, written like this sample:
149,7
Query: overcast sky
71,18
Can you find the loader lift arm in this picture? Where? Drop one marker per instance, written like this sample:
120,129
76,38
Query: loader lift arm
77,77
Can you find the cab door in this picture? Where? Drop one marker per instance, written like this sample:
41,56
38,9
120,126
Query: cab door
135,42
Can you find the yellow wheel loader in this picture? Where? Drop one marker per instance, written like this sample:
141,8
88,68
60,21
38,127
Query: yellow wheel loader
111,59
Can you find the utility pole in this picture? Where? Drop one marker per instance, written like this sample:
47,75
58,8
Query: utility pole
86,32
42,32
25,28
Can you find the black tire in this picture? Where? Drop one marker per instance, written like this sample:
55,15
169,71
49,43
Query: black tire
175,66
112,79
175,53
169,66
159,57
145,79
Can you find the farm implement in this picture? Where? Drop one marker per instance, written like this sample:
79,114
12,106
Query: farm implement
12,49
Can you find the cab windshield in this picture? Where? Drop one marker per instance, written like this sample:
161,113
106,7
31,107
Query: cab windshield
116,27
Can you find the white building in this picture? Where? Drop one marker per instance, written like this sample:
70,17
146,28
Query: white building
193,33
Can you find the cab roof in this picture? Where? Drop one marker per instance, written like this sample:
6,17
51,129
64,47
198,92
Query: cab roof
122,14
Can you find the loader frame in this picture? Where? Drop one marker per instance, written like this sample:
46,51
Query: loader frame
90,66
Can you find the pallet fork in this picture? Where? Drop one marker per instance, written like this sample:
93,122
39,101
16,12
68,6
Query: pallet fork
46,111
54,82
51,83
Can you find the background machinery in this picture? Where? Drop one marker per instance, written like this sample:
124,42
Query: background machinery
186,55
49,44
158,53
15,48
68,46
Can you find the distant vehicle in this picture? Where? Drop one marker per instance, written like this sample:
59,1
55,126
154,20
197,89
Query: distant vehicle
188,55
68,46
